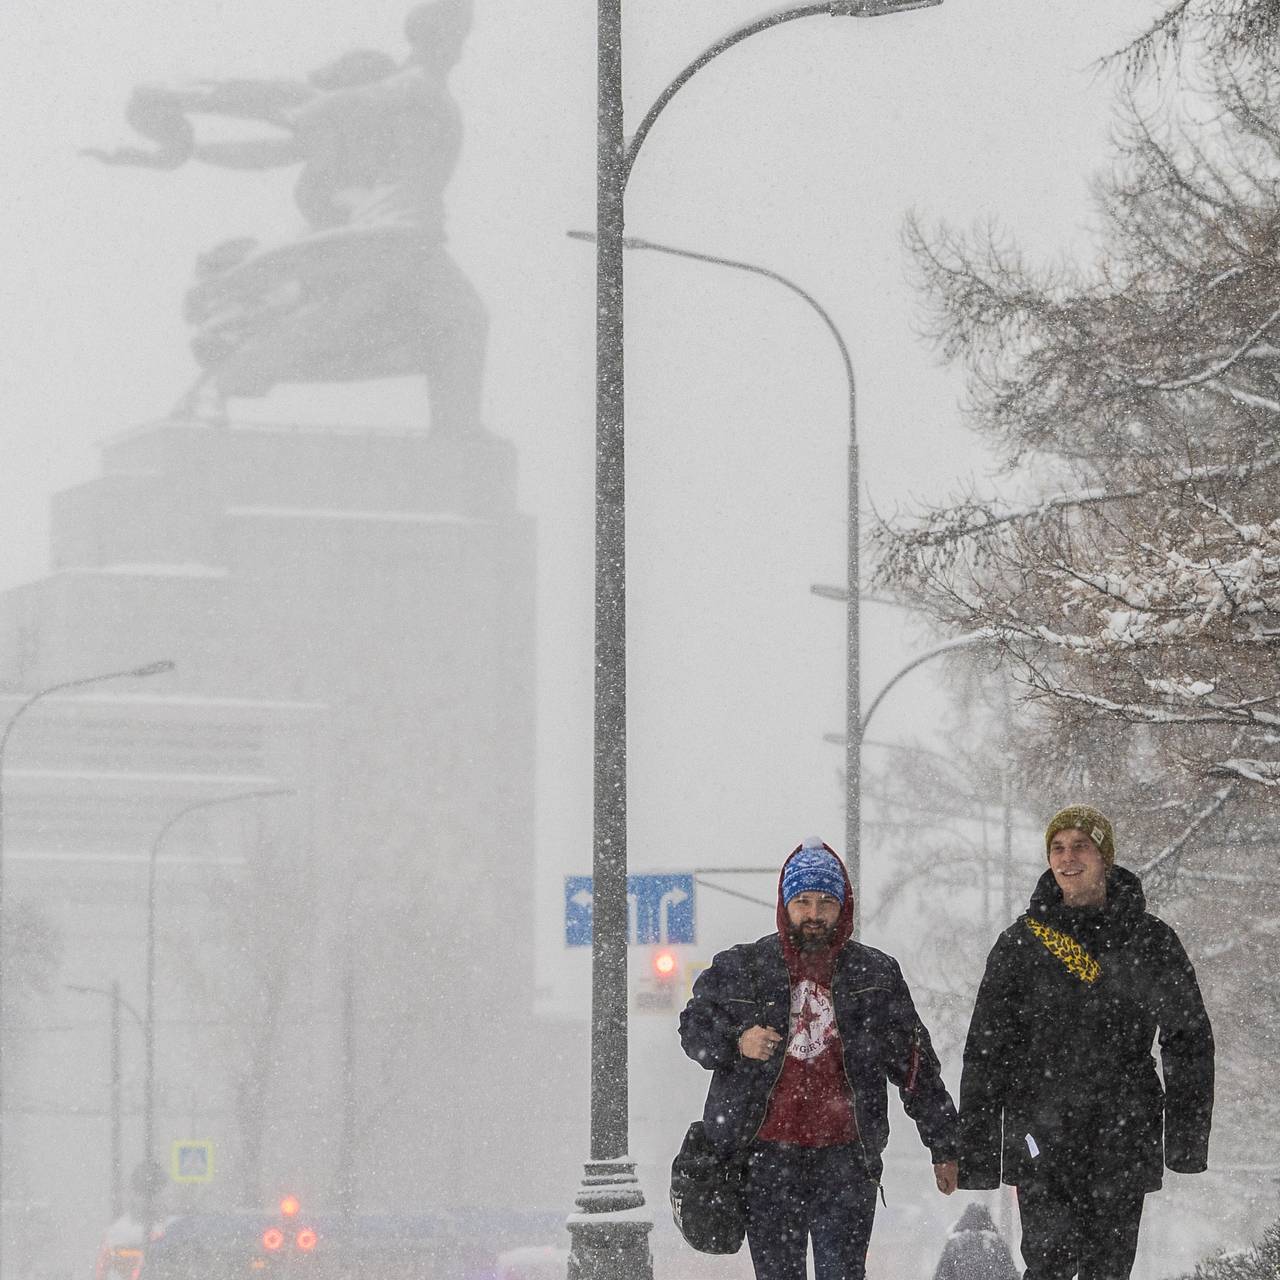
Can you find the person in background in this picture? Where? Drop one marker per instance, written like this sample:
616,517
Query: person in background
1059,1094
975,1250
802,1028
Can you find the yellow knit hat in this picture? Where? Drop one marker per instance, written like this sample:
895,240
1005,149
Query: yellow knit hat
1097,826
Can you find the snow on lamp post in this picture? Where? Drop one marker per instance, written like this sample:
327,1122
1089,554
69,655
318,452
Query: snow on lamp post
609,1236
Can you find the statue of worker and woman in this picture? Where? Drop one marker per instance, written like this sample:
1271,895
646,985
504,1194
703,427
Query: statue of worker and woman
369,289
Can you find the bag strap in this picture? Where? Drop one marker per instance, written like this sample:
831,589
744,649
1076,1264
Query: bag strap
1064,948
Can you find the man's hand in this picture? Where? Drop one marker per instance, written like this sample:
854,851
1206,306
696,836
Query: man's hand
946,1175
758,1043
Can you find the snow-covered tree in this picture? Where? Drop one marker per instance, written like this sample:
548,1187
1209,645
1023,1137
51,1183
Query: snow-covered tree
1128,565
1260,1261
1142,398
1238,27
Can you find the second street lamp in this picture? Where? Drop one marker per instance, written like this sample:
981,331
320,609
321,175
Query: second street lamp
130,673
851,595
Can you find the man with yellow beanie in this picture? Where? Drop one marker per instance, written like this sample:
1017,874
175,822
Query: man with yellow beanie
1059,1095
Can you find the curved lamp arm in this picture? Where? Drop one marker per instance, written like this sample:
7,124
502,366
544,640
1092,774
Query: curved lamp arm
133,673
830,9
961,642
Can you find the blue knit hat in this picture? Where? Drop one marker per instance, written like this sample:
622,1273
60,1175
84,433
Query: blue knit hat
814,869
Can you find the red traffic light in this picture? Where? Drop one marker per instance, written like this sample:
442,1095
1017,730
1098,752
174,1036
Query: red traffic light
665,965
306,1239
272,1238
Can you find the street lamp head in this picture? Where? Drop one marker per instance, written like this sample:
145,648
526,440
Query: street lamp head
876,8
152,668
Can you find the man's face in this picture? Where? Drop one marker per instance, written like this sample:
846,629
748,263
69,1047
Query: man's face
1079,869
813,919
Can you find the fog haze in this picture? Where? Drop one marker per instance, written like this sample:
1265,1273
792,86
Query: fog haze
801,151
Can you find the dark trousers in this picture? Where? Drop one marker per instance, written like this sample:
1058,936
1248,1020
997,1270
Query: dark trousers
797,1192
1089,1229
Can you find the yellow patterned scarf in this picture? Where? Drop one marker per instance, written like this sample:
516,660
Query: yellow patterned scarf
1078,961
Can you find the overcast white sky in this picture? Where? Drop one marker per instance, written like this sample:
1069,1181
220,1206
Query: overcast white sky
800,150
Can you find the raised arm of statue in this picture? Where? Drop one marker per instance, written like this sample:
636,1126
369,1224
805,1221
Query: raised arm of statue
161,112
253,153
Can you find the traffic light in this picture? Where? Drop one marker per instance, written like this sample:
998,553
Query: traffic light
655,987
286,1238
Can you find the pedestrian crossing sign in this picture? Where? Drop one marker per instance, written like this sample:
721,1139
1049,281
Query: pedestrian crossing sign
191,1161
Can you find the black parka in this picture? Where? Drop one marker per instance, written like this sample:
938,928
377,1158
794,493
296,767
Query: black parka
881,1032
1059,1052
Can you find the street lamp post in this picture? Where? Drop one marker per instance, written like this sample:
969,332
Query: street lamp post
118,1002
609,1238
852,597
133,673
149,1025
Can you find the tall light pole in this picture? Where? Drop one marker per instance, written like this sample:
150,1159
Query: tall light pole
133,673
149,1087
851,596
118,1002
609,1240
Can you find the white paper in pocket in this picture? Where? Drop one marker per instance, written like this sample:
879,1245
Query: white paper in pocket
1031,1146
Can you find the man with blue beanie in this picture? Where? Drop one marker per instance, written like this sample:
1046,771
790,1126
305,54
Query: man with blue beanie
801,1030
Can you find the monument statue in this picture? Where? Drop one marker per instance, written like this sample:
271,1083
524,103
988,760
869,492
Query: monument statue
369,289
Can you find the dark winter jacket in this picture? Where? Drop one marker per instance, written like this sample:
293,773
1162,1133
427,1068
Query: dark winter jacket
1060,1049
880,1031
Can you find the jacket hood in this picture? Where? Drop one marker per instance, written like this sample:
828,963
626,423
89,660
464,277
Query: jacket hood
797,963
1125,899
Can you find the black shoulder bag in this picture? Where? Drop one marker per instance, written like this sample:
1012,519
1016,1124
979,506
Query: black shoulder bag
709,1194
709,1190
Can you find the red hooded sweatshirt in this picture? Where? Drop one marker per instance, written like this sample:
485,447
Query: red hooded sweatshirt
811,1104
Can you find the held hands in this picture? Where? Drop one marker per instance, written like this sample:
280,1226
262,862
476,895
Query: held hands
759,1043
946,1175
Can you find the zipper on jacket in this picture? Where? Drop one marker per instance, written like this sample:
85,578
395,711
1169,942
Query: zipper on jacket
773,1084
853,1093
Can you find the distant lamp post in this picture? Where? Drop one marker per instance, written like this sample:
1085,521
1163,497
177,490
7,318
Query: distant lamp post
118,1002
149,1027
133,673
609,1240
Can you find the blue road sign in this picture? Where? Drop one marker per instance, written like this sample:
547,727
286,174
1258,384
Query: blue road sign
659,909
191,1161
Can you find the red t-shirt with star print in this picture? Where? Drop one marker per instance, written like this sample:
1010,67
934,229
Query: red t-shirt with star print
811,1105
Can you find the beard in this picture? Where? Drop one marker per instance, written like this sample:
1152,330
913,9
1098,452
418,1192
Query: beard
812,936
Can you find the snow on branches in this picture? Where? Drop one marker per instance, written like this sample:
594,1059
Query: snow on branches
1144,585
1247,27
1261,1261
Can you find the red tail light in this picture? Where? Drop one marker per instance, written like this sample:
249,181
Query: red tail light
272,1238
306,1239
